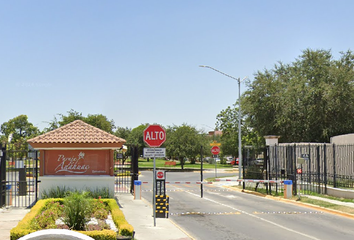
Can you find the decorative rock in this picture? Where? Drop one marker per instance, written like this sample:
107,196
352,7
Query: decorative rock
56,234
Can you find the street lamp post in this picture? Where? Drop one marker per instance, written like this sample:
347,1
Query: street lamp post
239,117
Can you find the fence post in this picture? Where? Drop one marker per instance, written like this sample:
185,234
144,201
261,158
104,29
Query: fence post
266,158
276,166
134,168
36,176
325,166
310,171
334,166
318,170
294,170
2,175
243,168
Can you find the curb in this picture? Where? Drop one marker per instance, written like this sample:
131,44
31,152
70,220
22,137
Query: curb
290,201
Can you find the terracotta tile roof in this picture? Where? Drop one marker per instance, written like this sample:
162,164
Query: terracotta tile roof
77,132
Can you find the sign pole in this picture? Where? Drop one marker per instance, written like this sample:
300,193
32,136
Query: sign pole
154,190
154,136
215,150
216,175
201,171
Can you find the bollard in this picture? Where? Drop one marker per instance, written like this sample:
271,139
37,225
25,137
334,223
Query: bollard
137,189
8,195
288,189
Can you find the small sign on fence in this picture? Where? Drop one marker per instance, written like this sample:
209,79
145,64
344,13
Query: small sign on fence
305,156
300,160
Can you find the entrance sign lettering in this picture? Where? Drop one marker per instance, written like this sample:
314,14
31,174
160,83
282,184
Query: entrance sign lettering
71,164
76,162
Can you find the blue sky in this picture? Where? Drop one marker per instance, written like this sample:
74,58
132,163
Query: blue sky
138,62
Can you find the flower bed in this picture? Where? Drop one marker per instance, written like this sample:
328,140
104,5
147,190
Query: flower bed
46,212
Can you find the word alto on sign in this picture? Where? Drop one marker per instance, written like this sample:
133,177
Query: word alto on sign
155,135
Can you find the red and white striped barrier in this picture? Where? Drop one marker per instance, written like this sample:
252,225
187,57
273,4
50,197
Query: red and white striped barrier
224,180
182,182
248,180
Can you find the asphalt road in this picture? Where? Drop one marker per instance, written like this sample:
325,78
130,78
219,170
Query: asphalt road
227,214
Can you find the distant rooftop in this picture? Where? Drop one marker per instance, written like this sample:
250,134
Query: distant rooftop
215,133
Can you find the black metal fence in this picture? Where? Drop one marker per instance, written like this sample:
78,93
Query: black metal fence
312,167
19,169
126,171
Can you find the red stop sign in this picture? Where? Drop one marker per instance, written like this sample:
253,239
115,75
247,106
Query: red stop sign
215,150
154,135
160,174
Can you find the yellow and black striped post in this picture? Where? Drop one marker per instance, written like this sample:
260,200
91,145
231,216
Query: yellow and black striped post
162,206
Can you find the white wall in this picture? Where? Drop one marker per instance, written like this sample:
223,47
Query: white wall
76,182
343,139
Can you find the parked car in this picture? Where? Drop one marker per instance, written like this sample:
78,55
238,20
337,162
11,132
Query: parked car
229,160
259,162
233,162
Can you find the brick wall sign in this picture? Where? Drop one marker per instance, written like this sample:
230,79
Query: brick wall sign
77,162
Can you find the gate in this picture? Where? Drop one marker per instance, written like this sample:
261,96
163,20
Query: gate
126,171
18,176
255,165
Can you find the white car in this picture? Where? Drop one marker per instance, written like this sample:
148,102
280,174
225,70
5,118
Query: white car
259,161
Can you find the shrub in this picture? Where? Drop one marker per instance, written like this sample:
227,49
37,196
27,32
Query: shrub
99,209
253,172
57,192
46,219
62,192
125,229
100,193
76,210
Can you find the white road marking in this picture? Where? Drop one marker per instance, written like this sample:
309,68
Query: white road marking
257,217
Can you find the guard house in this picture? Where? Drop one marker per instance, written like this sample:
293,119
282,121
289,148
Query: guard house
76,156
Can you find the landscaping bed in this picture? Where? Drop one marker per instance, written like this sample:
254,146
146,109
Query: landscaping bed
101,219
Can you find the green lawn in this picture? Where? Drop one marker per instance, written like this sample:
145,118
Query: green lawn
160,163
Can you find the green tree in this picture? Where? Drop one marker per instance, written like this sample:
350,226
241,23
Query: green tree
136,137
72,116
184,142
97,120
100,121
227,122
123,132
20,129
309,100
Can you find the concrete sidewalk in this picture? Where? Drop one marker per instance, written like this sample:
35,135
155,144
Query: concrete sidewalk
347,204
139,214
9,218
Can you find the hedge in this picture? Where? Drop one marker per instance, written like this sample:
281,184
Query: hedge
125,229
